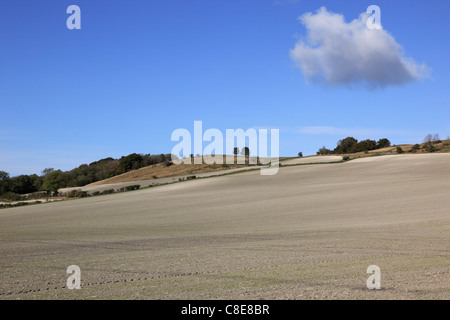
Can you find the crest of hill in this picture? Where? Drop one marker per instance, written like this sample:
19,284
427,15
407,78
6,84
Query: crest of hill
164,170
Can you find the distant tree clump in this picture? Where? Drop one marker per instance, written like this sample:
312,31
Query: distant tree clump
47,171
383,143
236,151
4,182
399,150
51,180
131,162
436,138
347,145
430,148
429,142
352,145
24,184
415,148
366,145
428,138
245,152
324,151
300,154
4,175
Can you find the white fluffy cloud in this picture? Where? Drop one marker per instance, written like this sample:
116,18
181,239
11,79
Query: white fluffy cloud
339,53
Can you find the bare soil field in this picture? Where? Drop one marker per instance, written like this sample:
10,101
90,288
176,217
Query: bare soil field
308,232
312,159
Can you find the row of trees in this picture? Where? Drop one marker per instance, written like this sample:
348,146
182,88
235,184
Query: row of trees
352,145
432,139
20,184
51,180
431,143
245,151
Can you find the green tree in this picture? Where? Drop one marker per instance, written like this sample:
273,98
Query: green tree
236,151
415,148
431,148
46,171
300,154
323,151
366,145
4,175
53,181
4,182
36,182
383,143
131,162
22,184
347,145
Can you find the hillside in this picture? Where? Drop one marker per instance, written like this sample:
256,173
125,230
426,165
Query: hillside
308,232
162,170
440,147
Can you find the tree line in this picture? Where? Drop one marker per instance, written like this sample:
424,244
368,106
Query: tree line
352,145
431,143
51,180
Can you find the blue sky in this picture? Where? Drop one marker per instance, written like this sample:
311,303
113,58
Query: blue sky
138,70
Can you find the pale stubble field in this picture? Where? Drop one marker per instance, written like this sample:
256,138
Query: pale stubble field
308,232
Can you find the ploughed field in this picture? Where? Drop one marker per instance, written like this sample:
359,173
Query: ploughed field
308,232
